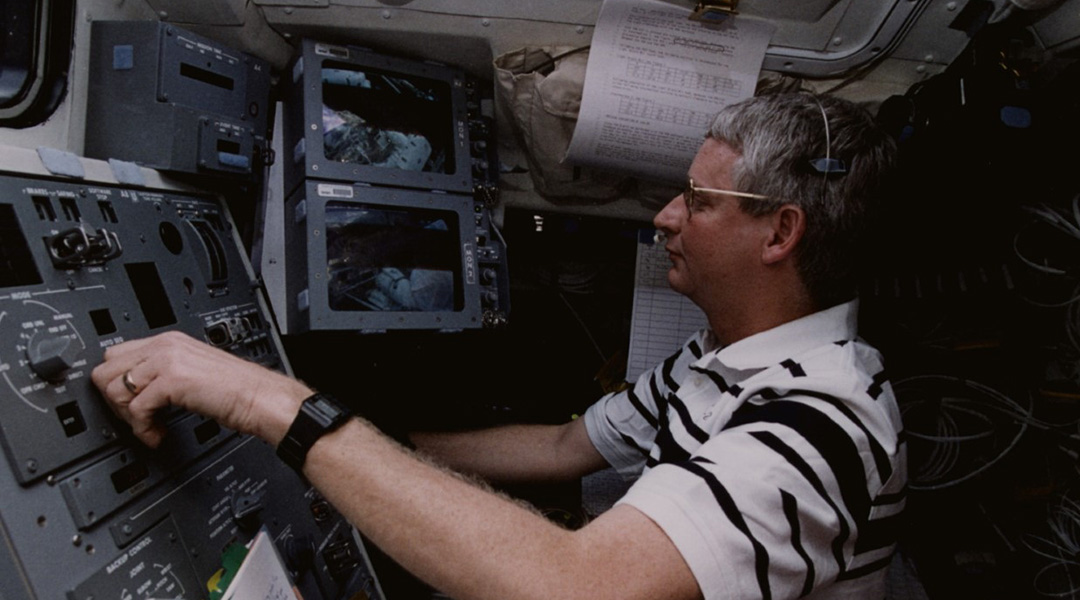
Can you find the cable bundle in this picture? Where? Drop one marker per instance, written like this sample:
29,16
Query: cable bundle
956,428
1054,261
1060,577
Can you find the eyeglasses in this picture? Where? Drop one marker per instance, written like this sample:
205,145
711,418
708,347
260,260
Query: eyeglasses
690,191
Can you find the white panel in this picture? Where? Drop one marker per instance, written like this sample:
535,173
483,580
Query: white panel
293,2
931,41
466,41
216,12
566,11
806,11
1061,27
816,38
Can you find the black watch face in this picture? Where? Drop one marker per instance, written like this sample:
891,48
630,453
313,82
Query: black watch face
319,415
326,409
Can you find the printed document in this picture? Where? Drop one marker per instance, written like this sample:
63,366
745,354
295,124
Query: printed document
662,318
262,576
654,81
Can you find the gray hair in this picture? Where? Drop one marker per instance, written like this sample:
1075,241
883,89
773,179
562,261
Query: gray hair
777,136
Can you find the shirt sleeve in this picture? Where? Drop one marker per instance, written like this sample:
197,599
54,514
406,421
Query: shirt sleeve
620,434
623,425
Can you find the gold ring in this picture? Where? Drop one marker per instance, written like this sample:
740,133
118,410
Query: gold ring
129,384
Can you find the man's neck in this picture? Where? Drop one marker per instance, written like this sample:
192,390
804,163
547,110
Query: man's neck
731,324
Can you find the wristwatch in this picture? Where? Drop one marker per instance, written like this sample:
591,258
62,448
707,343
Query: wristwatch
319,415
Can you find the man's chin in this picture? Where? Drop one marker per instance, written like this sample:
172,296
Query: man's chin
675,281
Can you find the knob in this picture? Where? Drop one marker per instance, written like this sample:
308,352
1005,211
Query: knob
299,553
51,356
245,510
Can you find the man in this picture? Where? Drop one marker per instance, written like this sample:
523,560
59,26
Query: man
767,449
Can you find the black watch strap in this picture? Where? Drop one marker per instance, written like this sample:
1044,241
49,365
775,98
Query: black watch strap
319,415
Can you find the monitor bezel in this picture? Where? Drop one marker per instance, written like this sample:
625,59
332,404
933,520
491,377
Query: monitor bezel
306,260
304,127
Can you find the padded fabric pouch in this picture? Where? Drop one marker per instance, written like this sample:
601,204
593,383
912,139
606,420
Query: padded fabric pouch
540,92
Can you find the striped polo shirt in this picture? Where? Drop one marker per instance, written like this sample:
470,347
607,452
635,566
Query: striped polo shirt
775,464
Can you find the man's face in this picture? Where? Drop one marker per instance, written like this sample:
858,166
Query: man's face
714,249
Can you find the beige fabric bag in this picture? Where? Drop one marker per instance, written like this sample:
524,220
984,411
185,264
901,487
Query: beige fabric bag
539,89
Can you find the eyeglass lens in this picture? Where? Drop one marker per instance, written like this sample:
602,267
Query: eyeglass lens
688,196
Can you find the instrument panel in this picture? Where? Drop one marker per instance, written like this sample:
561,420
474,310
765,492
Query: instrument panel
87,265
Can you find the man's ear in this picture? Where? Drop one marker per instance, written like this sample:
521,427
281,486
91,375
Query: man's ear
787,226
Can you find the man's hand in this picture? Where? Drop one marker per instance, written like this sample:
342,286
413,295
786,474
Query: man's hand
140,377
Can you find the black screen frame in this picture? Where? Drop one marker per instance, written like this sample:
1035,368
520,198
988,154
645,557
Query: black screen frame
303,121
308,268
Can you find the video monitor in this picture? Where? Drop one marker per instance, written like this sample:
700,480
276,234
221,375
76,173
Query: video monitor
358,116
373,259
392,258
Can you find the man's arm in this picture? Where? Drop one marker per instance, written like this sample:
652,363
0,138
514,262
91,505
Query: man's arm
471,543
516,453
465,540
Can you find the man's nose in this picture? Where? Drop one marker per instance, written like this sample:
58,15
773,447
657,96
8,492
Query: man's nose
669,217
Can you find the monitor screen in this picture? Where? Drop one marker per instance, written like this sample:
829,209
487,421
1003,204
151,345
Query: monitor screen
356,116
387,258
389,120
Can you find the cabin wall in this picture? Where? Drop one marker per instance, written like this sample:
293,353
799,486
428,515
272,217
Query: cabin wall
947,292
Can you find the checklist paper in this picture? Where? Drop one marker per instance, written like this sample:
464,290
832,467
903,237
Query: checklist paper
262,575
655,79
662,319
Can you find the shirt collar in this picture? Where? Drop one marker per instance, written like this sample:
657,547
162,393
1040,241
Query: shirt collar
792,338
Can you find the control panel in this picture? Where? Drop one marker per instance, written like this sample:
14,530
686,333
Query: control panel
170,99
490,247
87,511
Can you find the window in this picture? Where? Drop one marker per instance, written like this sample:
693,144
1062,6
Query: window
35,52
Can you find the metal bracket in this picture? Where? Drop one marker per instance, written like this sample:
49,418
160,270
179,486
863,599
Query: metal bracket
715,11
